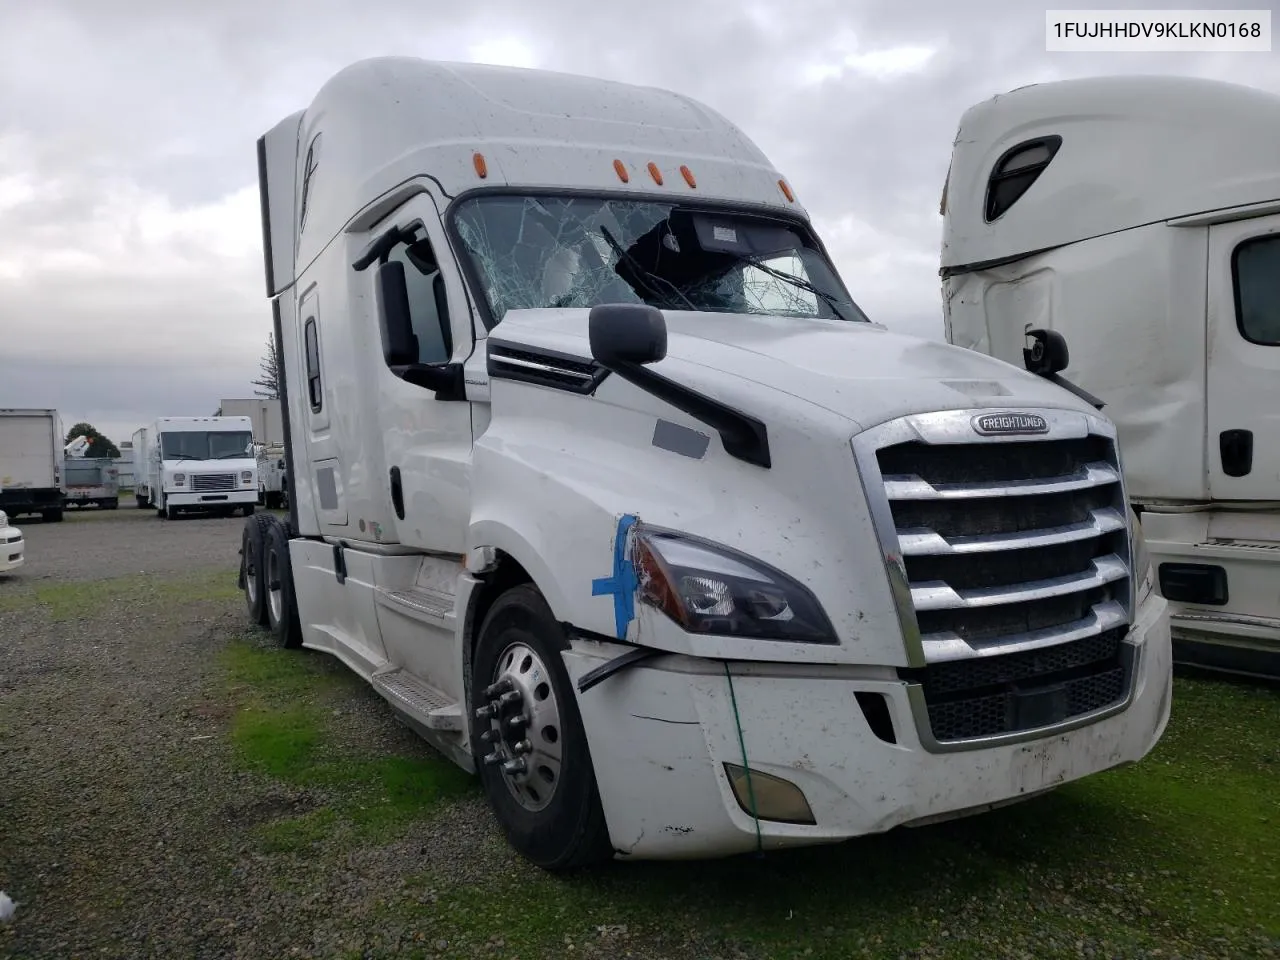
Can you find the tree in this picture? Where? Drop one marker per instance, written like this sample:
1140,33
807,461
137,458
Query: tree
268,383
99,446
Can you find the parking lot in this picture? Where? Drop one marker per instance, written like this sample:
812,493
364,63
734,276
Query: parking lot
171,787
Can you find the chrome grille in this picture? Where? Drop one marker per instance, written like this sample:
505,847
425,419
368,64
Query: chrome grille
1009,556
204,482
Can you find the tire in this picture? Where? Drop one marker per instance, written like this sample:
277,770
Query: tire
249,509
112,504
568,830
52,516
252,542
278,596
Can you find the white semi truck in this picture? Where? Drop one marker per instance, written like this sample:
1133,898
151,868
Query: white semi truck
195,463
1138,219
31,463
600,477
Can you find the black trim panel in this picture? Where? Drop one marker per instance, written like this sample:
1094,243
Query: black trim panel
543,367
264,199
282,381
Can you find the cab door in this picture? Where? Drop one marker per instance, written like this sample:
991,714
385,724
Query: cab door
426,438
1243,341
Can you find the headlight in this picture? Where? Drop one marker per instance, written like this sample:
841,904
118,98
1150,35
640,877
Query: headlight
1143,572
4,519
179,479
711,589
246,477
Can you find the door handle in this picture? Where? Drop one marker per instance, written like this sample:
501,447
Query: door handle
397,492
1235,447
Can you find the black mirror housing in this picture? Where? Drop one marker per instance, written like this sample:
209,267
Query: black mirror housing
1047,354
623,334
399,343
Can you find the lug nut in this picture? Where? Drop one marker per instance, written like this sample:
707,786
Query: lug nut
485,712
515,766
517,723
500,687
489,736
493,758
524,746
509,698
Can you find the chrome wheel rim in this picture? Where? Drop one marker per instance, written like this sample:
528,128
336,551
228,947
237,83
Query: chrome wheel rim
275,596
525,733
250,574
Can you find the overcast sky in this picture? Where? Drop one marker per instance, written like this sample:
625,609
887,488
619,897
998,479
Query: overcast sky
130,263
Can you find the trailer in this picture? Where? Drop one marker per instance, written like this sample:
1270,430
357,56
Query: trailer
602,480
195,463
31,463
1138,219
90,481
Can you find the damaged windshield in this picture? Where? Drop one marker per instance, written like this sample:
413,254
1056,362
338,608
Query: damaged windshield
576,251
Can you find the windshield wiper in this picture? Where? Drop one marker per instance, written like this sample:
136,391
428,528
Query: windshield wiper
798,282
643,275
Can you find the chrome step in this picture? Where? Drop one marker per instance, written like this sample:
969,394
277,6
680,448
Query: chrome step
420,603
433,708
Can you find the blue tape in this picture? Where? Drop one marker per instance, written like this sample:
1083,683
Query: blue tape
623,583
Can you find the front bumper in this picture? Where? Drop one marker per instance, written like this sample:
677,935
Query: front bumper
661,735
13,549
213,500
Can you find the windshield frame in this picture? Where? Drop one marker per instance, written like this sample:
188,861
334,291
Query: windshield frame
765,212
164,455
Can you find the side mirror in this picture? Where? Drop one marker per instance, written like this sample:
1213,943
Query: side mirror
399,344
1047,354
624,334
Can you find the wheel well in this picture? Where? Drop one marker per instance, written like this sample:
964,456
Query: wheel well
506,573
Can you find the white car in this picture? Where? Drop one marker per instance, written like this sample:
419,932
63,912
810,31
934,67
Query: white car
11,545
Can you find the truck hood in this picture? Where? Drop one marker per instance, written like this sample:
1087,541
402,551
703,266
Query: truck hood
860,371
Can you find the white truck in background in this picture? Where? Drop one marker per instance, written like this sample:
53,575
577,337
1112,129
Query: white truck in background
195,463
268,444
31,463
89,480
601,479
1138,219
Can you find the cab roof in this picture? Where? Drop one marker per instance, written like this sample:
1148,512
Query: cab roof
1121,152
381,122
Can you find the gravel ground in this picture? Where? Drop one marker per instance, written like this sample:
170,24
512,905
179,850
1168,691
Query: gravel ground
125,825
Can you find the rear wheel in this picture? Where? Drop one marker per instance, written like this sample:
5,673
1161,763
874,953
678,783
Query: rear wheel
252,544
281,604
531,750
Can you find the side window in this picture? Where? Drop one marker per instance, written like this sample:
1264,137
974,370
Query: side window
308,171
428,308
1255,273
1015,172
315,390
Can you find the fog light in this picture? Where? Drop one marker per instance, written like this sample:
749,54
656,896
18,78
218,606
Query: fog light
775,799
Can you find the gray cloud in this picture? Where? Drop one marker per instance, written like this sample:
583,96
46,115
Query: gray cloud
127,129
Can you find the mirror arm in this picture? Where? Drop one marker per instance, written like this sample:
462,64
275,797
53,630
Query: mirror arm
445,379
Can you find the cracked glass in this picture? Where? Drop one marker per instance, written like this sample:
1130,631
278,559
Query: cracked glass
531,252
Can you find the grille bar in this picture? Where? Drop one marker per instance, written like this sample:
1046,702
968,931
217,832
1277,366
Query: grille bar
205,482
921,541
949,645
942,596
915,488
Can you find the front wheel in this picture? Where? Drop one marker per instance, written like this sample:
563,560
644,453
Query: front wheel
527,735
252,579
277,586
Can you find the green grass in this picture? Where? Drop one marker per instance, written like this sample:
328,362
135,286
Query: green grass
283,728
1178,854
84,599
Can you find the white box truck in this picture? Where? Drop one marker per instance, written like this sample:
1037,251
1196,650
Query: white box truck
31,463
600,477
1138,219
195,463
